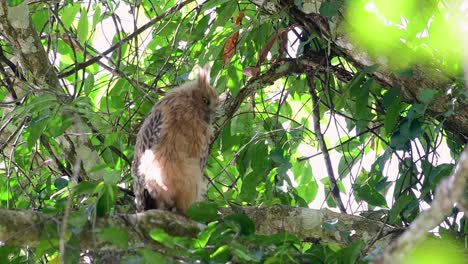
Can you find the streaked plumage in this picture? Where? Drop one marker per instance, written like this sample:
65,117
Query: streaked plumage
172,147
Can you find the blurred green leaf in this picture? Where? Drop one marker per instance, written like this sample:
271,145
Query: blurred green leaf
247,225
330,9
427,95
114,235
106,200
61,183
203,212
13,3
83,26
399,205
368,194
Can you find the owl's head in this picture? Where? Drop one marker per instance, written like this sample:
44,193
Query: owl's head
207,95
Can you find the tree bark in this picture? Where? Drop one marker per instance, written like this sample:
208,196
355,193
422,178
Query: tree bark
27,228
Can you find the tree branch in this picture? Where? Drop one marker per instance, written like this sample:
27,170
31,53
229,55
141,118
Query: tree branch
323,145
27,228
16,26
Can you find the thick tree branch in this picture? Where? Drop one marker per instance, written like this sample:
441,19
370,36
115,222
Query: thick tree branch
26,228
16,26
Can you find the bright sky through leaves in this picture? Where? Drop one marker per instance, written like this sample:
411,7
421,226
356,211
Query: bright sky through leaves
406,32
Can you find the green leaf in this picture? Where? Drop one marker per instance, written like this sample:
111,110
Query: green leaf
114,235
432,176
408,130
427,95
391,96
275,239
350,254
362,98
69,14
88,84
281,162
221,254
39,18
416,111
400,205
371,69
86,187
111,178
203,212
60,183
242,124
307,187
13,3
83,26
201,26
58,124
254,164
35,131
106,200
247,225
344,166
248,190
225,13
370,195
308,191
350,147
330,9
408,73
151,257
43,102
78,219
392,115
162,237
243,254
97,15
298,3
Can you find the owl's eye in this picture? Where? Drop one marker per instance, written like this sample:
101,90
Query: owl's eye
206,100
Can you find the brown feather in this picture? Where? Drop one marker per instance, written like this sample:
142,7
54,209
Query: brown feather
172,147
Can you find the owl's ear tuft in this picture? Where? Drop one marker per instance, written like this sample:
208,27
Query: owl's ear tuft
204,76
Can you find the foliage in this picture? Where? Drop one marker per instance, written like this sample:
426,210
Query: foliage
388,154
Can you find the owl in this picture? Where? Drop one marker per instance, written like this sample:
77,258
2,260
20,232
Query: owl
172,147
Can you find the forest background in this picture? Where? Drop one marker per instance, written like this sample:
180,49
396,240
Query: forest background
340,119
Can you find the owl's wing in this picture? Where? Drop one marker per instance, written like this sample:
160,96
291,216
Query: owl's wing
203,162
148,136
204,159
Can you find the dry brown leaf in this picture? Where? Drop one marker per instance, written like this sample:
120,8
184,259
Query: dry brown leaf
230,47
266,49
231,42
283,35
239,18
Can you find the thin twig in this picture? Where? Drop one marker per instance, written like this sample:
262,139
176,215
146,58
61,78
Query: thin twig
66,214
323,146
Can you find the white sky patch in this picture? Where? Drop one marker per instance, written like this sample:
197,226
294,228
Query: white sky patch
105,30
